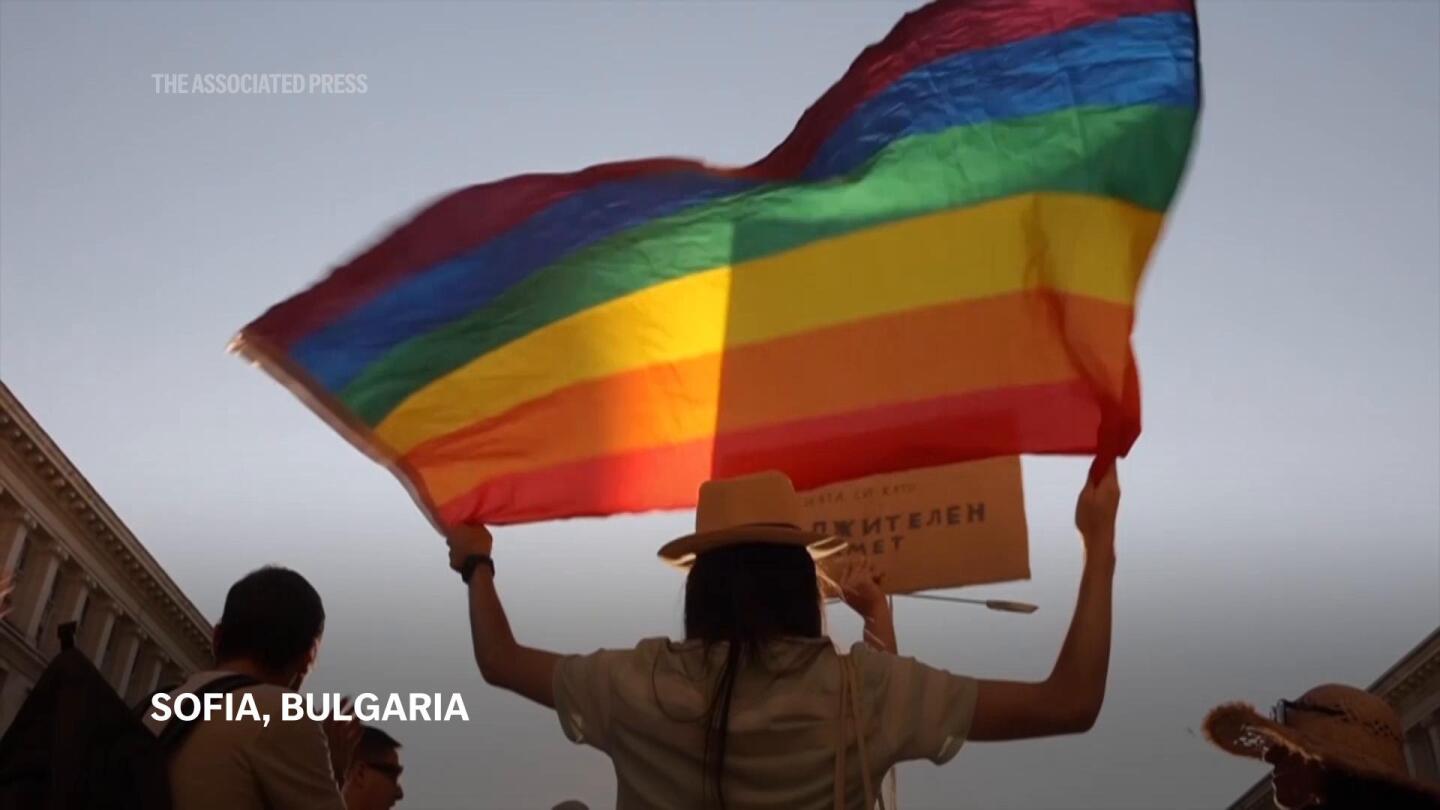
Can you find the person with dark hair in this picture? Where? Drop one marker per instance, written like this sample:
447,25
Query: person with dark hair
373,781
272,624
265,645
755,707
1335,748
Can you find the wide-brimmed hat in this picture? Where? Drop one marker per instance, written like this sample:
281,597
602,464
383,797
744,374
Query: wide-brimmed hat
1341,727
760,508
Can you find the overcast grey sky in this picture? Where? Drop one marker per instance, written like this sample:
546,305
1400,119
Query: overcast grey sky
1280,522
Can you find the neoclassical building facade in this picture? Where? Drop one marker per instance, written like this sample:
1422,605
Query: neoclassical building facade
74,561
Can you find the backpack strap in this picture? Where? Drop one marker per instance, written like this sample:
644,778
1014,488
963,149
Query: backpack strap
175,732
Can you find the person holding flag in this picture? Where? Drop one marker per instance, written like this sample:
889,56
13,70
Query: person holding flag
941,263
755,707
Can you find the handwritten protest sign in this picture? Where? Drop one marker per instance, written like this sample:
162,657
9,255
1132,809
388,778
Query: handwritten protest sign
940,527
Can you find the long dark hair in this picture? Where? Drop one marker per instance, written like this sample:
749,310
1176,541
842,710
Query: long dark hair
746,595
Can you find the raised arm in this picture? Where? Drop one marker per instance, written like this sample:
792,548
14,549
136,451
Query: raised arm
860,588
1067,702
503,662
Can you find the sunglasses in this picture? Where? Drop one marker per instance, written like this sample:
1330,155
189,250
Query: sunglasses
1282,710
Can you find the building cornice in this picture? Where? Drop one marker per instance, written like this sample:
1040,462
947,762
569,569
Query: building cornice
48,465
1404,682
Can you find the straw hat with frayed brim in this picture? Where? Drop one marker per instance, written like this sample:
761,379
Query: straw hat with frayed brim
1341,727
760,508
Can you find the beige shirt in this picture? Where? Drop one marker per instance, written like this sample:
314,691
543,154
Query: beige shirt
246,765
646,708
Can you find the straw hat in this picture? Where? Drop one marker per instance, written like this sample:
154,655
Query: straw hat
760,508
1341,727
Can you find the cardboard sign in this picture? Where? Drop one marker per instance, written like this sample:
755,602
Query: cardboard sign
960,524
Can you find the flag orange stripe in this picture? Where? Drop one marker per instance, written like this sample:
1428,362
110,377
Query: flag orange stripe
1054,418
961,347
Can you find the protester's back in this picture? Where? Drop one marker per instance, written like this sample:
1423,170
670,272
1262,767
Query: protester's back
270,630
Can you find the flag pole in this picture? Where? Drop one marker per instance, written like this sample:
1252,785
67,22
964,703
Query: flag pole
1003,605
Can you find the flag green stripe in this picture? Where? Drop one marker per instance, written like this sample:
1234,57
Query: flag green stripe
1135,154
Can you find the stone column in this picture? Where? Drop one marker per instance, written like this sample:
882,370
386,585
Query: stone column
1420,753
79,609
120,662
35,585
94,637
1432,728
71,591
15,529
146,674
14,525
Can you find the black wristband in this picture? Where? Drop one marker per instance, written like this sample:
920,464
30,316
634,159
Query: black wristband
474,561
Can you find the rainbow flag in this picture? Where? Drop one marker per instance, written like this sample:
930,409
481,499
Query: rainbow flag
940,263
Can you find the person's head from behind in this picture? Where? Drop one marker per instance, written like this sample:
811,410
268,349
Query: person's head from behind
751,581
751,573
746,596
751,593
273,621
373,781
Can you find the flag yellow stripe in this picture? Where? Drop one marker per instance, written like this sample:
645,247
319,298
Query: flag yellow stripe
1068,243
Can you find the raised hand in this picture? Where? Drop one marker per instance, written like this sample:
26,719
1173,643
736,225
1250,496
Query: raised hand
465,541
860,587
1095,512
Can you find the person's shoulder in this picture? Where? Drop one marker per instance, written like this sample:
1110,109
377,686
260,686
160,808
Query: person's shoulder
658,644
867,656
281,731
644,652
869,660
614,659
878,668
206,678
647,646
267,695
659,653
264,696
